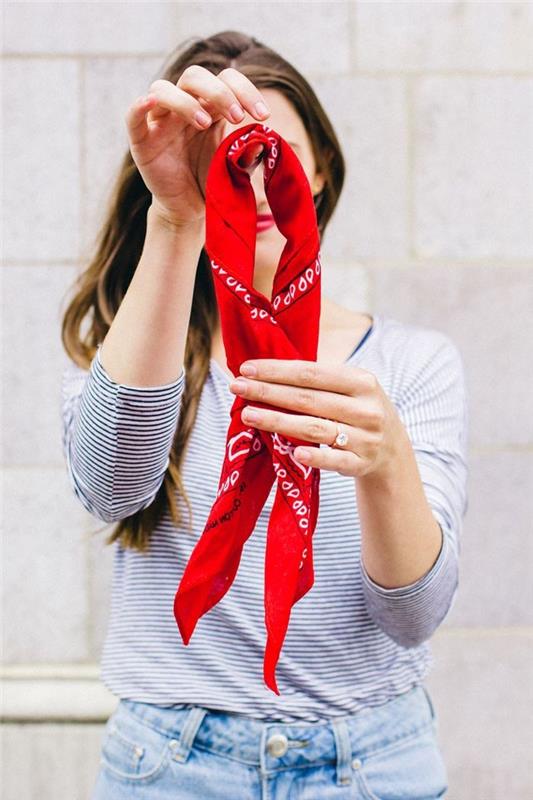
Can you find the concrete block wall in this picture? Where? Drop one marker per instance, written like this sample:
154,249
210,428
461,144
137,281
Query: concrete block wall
433,104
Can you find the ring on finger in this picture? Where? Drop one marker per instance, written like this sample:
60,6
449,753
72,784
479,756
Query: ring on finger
341,437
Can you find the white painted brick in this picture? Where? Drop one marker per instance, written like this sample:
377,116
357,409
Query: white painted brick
346,284
473,171
495,563
370,120
50,761
483,694
306,34
34,299
44,590
443,36
42,170
100,560
90,27
487,312
111,86
55,693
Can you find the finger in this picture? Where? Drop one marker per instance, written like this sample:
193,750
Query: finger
172,98
343,378
310,429
346,461
135,118
297,426
229,93
317,402
342,461
359,410
246,93
218,96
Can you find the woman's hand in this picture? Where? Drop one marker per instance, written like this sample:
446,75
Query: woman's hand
172,147
320,394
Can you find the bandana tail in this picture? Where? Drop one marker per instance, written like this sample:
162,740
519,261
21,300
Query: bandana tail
288,576
245,482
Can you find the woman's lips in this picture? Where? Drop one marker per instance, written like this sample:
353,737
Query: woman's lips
264,221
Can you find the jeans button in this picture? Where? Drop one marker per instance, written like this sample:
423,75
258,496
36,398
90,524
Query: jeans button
356,764
277,745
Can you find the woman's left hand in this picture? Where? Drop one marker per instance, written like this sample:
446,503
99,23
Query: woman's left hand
323,395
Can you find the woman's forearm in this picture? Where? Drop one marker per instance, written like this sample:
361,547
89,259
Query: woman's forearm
145,344
400,537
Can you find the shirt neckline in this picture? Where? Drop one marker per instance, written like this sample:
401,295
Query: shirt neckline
367,338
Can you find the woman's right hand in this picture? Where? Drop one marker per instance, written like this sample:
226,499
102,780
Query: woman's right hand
171,149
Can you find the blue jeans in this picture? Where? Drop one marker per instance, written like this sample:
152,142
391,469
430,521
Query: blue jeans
386,752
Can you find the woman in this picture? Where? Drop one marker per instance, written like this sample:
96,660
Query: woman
148,387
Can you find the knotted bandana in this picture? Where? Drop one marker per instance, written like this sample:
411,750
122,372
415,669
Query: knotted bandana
254,326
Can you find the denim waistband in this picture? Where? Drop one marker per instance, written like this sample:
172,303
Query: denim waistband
273,746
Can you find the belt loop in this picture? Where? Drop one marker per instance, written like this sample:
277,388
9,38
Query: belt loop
344,751
262,748
192,722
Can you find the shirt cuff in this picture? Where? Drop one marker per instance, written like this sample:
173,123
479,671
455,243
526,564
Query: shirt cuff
162,391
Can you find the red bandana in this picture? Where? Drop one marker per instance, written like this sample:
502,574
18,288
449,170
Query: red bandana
254,327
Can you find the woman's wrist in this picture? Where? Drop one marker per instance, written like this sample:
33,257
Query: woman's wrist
158,216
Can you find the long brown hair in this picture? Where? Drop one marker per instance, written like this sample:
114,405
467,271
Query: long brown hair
100,288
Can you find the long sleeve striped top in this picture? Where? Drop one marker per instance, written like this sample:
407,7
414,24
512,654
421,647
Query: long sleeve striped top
351,643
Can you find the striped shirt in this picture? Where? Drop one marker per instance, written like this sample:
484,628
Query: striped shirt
350,643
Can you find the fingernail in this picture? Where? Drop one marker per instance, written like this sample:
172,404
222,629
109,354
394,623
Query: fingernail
239,384
251,414
202,118
261,109
249,370
302,453
236,112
